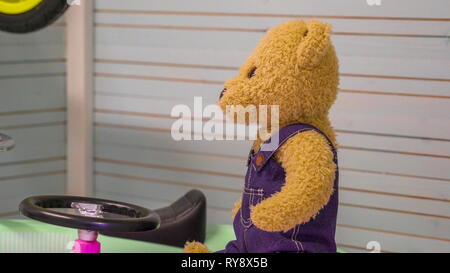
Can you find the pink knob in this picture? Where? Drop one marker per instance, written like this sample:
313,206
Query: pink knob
81,246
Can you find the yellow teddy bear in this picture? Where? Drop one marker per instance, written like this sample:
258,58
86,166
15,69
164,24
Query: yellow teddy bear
290,196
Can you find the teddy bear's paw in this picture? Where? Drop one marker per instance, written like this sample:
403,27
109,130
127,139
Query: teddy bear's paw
195,247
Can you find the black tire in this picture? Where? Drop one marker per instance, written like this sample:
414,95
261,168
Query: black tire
41,16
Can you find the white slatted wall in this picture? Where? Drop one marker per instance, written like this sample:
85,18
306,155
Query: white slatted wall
392,114
32,111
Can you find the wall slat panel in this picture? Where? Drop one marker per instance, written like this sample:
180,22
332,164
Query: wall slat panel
340,26
392,242
27,117
22,69
379,52
53,35
394,99
403,120
16,190
180,164
42,165
143,121
35,142
133,53
32,111
42,92
400,8
22,53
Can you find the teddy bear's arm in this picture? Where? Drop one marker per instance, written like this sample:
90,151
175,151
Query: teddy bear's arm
310,171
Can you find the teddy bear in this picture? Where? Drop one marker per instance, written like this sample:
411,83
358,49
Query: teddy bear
290,197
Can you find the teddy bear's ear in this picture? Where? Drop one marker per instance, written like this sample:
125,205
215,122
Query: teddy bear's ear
315,44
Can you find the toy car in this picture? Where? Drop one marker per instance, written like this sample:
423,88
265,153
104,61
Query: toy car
183,220
22,16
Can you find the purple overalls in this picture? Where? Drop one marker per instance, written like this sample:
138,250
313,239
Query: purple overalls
262,180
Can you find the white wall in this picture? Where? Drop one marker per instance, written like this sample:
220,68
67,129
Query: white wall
392,114
32,111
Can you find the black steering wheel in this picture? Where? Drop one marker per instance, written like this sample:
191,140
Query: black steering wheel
89,213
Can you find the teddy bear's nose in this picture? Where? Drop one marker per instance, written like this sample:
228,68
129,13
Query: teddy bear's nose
221,93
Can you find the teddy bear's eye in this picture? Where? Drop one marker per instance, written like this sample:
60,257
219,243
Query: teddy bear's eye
251,73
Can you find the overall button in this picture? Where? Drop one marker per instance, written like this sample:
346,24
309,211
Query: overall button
259,160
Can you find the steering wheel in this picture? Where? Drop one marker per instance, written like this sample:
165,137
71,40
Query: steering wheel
89,215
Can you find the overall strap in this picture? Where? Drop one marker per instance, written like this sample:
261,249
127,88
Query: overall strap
286,133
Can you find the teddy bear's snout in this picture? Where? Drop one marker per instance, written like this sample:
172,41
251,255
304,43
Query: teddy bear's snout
221,93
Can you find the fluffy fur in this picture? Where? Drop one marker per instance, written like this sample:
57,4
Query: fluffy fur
195,247
297,69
